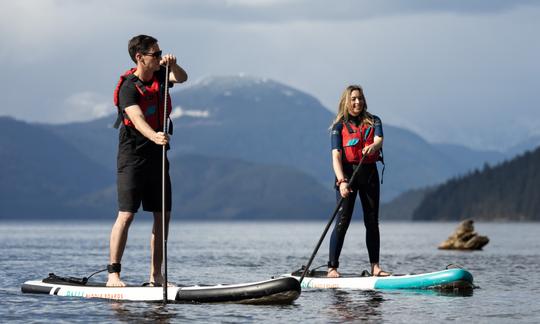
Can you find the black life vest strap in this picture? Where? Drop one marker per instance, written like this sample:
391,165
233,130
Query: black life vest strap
381,158
170,128
119,118
138,83
349,128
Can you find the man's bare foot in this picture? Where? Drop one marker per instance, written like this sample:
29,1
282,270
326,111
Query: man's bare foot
332,273
114,280
157,281
153,284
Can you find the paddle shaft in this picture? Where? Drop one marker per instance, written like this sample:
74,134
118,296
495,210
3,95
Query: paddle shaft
163,188
338,206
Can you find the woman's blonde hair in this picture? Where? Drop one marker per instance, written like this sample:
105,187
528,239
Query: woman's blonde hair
344,103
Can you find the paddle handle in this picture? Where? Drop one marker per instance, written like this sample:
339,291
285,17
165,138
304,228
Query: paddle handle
338,206
163,187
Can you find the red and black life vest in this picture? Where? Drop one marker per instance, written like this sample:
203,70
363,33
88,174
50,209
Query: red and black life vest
354,139
150,101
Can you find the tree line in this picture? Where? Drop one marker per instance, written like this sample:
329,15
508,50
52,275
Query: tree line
508,191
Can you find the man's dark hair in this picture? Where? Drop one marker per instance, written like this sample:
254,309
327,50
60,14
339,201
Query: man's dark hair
140,44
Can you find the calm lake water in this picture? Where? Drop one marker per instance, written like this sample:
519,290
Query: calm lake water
234,252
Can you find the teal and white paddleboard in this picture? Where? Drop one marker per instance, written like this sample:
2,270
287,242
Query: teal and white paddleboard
449,279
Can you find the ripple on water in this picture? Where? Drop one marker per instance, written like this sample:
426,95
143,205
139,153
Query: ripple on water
241,252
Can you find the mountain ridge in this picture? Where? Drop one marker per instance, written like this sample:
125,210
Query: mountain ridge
257,124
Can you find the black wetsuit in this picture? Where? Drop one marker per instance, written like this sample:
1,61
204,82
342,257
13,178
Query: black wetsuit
366,186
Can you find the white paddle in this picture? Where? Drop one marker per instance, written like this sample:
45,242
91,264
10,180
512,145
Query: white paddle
163,187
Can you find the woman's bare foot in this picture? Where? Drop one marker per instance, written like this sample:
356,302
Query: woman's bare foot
376,271
382,273
114,280
332,273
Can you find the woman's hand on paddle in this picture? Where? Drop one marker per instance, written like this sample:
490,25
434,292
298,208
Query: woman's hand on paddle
369,150
344,190
160,138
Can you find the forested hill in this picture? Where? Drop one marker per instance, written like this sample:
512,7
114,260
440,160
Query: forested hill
508,191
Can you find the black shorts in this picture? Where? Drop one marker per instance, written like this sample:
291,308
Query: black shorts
139,177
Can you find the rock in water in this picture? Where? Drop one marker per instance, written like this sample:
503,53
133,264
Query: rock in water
464,238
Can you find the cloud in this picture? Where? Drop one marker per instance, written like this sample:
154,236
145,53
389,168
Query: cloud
178,112
450,69
279,11
36,29
86,105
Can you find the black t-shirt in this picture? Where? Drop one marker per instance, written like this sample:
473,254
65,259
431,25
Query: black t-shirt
131,140
129,95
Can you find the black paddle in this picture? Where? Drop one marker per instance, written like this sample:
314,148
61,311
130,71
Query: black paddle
340,202
163,188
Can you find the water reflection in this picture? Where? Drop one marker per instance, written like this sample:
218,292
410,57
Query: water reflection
434,292
356,305
149,313
363,305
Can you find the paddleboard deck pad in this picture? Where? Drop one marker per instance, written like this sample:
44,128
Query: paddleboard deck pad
275,291
445,280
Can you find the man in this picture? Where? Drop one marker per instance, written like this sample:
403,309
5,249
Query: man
139,97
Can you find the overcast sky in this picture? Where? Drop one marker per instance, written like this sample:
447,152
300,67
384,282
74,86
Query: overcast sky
459,71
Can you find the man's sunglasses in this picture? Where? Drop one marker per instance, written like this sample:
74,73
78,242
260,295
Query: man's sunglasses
155,54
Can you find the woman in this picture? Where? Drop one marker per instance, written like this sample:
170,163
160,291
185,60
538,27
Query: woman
357,138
